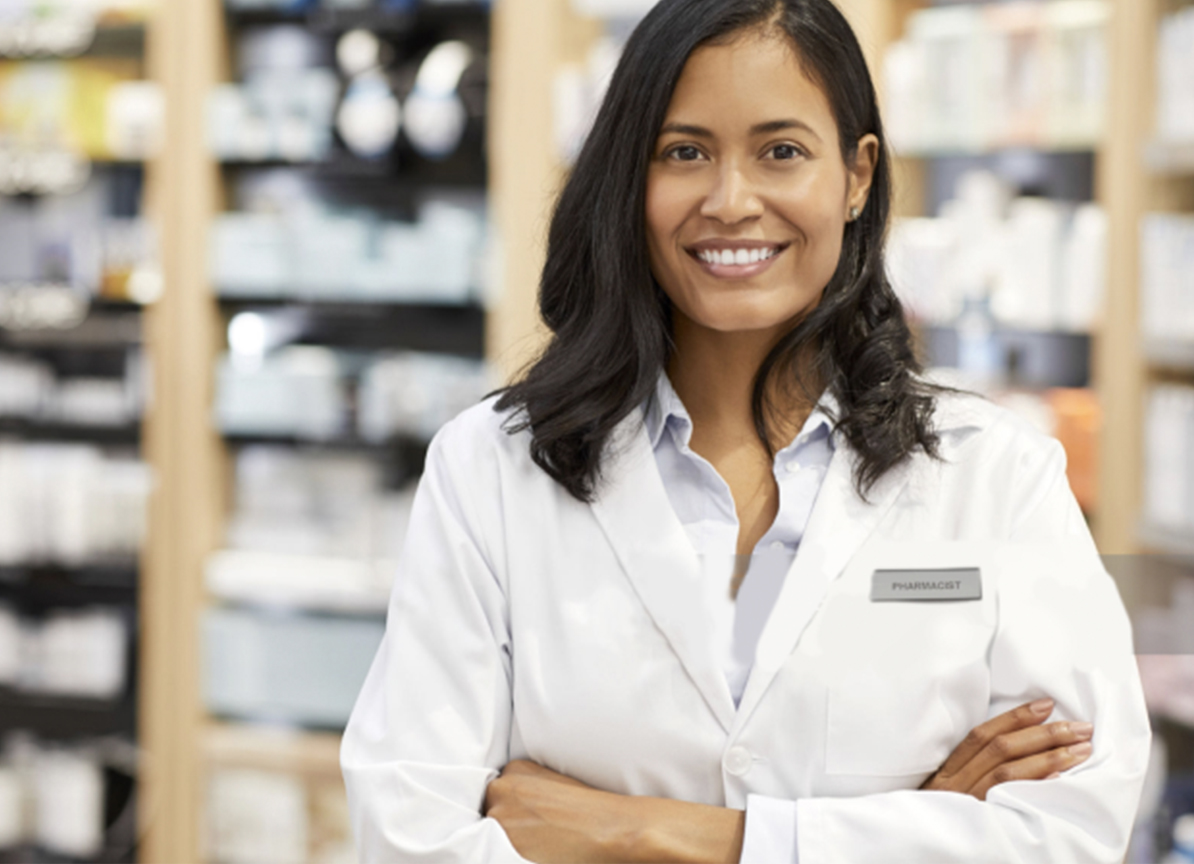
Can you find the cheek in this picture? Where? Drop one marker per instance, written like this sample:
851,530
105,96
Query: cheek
667,203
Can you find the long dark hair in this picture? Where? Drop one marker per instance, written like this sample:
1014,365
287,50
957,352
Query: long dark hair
611,323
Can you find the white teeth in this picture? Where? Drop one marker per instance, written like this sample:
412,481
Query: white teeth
736,257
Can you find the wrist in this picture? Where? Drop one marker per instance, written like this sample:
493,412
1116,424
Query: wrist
663,831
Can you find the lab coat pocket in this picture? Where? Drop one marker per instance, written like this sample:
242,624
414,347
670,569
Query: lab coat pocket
907,688
879,727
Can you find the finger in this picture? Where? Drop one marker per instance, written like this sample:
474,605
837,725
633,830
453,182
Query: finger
1020,744
1030,714
1040,766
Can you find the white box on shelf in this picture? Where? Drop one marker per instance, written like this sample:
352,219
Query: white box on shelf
346,585
250,255
287,668
296,391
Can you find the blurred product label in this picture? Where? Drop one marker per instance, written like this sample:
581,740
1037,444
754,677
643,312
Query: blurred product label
1175,77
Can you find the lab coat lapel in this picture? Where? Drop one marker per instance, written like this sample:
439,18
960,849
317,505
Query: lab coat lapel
634,512
838,526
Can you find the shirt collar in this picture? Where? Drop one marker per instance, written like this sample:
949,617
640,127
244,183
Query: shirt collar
665,407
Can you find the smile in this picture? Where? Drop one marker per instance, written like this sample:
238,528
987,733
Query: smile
734,260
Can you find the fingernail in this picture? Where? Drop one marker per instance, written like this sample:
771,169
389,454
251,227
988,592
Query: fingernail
1054,775
1081,751
1082,730
1041,706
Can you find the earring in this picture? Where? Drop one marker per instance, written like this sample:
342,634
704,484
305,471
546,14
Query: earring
854,213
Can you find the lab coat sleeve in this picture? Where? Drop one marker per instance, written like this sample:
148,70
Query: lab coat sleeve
770,834
1062,633
431,725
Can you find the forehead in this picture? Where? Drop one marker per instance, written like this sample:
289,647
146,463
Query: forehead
755,77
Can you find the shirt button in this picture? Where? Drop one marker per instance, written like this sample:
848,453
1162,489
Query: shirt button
793,467
737,761
777,545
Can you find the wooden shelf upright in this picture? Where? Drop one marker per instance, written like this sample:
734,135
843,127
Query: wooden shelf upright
185,52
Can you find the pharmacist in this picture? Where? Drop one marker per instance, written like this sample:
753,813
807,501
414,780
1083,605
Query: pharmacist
722,577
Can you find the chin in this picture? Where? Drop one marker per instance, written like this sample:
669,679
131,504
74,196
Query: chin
747,317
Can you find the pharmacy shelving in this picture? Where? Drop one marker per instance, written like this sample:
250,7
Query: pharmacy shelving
1170,159
1166,540
78,339
190,749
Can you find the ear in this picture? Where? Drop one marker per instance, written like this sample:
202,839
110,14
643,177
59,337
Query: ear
861,173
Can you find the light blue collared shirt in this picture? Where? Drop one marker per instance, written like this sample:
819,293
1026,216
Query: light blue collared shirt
703,503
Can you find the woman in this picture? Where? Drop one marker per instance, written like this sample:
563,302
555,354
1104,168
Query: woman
601,597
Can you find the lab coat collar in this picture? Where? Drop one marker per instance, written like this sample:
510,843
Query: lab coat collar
633,510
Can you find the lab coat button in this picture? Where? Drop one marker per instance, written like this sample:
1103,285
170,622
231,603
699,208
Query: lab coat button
737,761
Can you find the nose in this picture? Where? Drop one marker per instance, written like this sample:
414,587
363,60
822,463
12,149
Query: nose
732,197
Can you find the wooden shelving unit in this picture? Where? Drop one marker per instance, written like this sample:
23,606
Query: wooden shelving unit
1118,367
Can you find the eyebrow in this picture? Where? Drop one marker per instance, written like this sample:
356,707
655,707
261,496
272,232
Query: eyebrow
758,129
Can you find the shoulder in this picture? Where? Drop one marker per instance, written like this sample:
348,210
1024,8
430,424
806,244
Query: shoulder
971,428
480,438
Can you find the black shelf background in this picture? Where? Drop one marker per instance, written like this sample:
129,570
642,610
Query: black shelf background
125,436
65,718
458,330
387,23
35,589
1032,358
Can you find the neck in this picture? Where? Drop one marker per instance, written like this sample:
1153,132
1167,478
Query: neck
713,373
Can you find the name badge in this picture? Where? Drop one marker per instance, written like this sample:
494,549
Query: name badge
962,583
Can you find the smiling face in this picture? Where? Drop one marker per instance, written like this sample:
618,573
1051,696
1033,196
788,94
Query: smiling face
747,191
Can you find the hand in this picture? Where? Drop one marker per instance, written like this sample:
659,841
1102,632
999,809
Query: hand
1013,746
551,817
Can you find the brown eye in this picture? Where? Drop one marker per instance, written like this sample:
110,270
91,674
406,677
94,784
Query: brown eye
785,152
684,153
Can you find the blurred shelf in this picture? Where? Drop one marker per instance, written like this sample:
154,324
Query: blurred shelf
108,324
1169,541
1042,358
272,748
1177,354
61,718
1162,157
951,152
119,40
458,329
380,21
408,449
401,167
41,587
103,436
110,40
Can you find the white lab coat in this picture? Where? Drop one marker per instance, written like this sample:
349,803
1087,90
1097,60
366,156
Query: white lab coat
525,624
